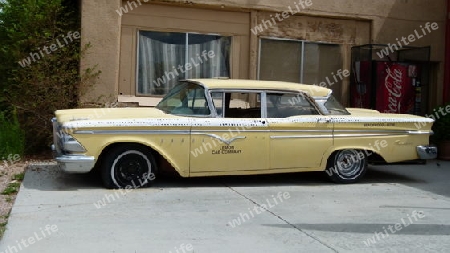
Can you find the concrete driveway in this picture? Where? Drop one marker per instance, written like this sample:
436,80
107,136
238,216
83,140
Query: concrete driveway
401,208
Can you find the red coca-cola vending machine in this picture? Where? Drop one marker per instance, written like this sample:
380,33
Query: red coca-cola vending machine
392,84
396,88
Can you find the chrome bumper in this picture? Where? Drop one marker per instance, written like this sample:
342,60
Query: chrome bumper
74,163
427,152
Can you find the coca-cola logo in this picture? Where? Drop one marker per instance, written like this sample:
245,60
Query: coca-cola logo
393,84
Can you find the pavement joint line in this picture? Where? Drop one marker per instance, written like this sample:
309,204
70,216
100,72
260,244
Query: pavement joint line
282,219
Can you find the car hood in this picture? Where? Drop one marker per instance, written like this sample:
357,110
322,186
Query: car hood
64,116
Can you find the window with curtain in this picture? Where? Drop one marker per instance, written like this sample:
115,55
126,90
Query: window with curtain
300,62
164,58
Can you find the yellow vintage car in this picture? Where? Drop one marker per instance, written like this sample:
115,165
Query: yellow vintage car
213,127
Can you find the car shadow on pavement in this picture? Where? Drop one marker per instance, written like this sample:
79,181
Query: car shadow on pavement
432,177
368,228
50,178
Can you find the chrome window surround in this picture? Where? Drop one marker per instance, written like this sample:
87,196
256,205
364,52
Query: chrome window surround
262,93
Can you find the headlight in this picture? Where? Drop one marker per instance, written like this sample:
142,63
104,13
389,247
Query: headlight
69,144
63,142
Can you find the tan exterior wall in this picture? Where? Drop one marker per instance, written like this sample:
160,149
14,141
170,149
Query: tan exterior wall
345,22
100,26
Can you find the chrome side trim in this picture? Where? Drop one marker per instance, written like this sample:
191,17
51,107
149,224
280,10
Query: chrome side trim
393,132
229,131
337,133
363,135
421,132
304,131
228,142
83,132
302,136
180,132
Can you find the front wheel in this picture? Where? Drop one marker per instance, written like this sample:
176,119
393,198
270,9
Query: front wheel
128,166
347,166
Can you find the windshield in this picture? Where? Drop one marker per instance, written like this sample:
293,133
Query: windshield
331,106
185,99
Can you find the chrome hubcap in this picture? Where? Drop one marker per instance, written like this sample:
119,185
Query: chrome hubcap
349,162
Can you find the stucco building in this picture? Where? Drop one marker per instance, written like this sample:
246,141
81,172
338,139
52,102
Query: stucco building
143,46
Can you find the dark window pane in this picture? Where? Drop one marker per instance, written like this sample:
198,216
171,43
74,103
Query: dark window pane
280,60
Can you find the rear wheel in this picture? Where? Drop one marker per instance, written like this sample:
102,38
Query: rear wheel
347,166
128,166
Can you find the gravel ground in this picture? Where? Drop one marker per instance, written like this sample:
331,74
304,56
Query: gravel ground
6,177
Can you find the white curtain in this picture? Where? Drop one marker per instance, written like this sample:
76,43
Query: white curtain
162,54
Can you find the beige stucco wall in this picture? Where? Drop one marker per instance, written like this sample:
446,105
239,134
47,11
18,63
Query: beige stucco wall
389,20
100,26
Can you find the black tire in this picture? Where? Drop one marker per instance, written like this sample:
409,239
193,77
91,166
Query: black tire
128,166
347,166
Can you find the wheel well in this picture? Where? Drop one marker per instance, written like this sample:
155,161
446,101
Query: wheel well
375,158
162,165
372,158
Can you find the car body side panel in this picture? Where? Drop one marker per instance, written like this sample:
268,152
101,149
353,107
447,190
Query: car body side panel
236,147
173,144
299,142
394,139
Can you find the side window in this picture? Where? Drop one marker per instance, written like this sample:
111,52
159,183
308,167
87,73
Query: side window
185,99
197,101
283,105
237,104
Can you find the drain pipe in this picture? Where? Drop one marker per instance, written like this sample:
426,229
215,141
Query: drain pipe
446,92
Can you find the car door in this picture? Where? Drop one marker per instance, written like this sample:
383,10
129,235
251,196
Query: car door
299,135
234,142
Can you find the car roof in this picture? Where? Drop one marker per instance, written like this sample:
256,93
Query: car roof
224,83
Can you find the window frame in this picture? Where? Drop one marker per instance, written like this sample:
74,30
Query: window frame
138,49
263,97
302,60
253,91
